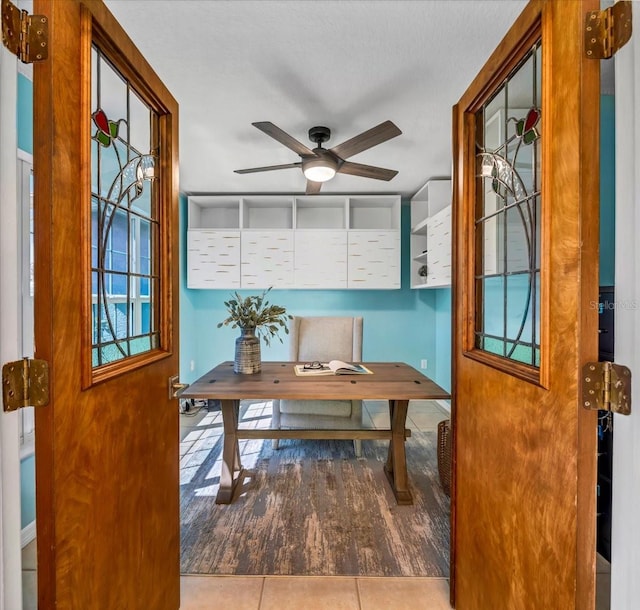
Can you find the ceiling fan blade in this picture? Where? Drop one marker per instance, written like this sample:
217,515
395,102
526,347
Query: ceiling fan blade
366,171
313,187
284,138
268,168
367,139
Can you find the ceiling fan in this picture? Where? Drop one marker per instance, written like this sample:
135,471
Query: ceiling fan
321,164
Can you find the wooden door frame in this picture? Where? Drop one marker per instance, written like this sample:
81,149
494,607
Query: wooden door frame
571,112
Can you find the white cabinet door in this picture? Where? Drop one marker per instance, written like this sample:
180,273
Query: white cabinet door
374,259
320,259
213,259
267,259
439,249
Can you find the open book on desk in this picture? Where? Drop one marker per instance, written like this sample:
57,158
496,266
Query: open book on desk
335,367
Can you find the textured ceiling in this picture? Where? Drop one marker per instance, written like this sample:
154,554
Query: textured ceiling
348,65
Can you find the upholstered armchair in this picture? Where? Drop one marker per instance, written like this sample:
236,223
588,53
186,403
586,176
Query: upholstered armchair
322,339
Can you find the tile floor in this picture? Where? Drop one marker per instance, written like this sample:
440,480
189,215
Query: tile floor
333,592
29,577
313,592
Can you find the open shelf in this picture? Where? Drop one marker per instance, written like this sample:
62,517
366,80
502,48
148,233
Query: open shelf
267,212
431,234
421,227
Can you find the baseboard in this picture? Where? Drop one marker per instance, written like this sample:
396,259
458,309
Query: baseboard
28,533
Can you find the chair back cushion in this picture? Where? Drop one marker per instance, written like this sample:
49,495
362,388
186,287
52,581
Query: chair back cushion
325,338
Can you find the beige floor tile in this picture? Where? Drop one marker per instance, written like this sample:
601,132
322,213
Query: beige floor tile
380,420
317,593
29,559
431,406
602,565
367,422
603,591
29,590
377,406
403,593
425,422
211,592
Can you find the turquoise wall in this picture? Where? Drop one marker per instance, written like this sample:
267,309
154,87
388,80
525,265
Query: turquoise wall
25,143
607,190
399,325
442,320
25,114
27,490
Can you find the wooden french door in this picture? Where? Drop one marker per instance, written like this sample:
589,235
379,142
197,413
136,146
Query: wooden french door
106,312
526,150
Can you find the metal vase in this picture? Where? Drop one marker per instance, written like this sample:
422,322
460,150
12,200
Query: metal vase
247,359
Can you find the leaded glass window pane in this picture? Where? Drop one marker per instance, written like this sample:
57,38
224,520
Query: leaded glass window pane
508,211
124,218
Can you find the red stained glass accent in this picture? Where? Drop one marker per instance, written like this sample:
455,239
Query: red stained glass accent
533,116
100,119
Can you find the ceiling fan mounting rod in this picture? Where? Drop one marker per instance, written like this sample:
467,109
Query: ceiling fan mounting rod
319,134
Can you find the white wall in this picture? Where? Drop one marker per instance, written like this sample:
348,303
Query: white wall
625,544
11,580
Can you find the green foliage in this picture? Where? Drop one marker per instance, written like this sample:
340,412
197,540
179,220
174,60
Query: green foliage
256,312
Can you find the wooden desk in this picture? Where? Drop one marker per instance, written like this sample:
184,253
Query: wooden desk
393,381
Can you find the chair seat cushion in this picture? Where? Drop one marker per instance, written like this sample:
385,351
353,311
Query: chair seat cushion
333,408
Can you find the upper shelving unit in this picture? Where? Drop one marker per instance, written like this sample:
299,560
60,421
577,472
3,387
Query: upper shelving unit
431,235
288,241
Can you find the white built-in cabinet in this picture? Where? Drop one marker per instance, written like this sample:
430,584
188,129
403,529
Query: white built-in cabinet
319,241
431,235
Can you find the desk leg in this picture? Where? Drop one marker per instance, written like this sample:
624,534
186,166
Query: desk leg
396,466
231,473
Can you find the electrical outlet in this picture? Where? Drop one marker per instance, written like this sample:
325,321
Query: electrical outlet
423,363
193,365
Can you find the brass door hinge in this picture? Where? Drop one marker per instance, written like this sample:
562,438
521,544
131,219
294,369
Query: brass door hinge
26,36
25,383
607,30
606,386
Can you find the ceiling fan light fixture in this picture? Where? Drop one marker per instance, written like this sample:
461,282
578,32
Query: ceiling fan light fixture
319,169
319,173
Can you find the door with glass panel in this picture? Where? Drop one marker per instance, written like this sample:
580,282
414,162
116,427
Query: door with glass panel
526,281
106,311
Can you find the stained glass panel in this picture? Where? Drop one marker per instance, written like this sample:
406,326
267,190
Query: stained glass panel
124,220
508,214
